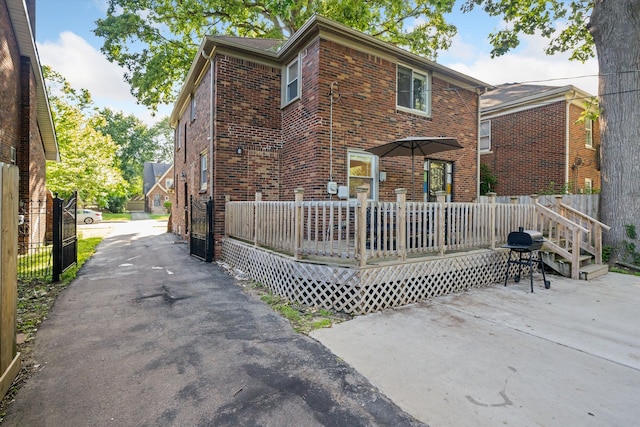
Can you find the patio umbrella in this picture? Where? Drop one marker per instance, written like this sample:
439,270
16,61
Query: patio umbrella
412,145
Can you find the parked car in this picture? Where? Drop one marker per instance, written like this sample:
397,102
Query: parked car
88,216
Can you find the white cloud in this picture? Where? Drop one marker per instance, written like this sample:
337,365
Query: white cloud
83,66
528,63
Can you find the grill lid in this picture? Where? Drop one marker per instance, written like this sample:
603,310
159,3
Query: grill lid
526,239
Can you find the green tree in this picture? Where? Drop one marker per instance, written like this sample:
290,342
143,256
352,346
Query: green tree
86,155
156,40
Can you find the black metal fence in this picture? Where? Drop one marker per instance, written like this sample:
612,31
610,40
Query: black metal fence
201,229
47,242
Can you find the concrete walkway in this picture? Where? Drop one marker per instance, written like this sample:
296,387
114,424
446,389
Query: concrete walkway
149,336
567,356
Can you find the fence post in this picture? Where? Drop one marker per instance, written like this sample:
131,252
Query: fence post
492,219
361,225
297,233
227,219
441,196
534,202
210,249
256,222
57,238
401,198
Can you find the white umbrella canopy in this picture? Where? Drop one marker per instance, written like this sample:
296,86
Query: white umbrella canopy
412,145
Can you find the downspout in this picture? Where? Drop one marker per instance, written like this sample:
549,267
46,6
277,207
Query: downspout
566,142
212,108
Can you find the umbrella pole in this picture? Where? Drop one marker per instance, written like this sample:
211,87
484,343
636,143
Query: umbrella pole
413,180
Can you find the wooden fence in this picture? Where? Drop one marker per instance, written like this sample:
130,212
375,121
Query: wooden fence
588,204
368,230
9,356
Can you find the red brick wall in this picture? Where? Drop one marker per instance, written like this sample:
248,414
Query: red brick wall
9,87
586,166
528,150
365,116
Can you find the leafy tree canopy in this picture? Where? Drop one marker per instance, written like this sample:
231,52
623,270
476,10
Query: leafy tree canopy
156,40
86,155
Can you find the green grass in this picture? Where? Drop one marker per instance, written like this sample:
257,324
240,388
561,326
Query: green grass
303,318
36,296
159,217
108,216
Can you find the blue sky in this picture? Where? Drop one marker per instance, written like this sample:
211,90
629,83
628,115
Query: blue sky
66,43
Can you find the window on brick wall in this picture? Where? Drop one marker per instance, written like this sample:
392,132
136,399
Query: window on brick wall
413,90
203,170
588,185
485,135
291,87
362,170
588,130
192,106
178,137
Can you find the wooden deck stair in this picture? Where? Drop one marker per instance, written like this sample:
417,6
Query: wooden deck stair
588,269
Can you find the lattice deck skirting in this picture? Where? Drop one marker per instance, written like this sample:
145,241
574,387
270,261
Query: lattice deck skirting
362,290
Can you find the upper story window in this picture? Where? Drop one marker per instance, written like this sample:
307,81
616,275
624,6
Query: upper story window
485,135
203,170
588,130
168,183
414,90
178,139
292,81
192,111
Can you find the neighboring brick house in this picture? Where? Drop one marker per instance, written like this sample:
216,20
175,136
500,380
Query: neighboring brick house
271,115
533,141
157,183
27,134
160,193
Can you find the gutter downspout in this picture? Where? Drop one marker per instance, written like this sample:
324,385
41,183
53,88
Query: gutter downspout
566,141
212,108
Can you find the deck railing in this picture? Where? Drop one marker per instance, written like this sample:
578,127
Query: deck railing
364,230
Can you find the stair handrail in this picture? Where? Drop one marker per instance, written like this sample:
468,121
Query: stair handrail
576,237
595,227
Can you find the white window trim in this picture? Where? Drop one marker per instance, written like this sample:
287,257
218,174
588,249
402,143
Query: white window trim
192,107
285,82
178,136
485,150
204,171
588,129
588,186
428,91
374,171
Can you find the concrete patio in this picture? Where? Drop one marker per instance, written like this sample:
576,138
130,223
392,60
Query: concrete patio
569,355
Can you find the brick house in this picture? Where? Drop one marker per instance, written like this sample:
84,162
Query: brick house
533,141
273,115
27,134
158,186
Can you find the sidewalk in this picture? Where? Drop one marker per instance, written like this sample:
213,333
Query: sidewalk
149,336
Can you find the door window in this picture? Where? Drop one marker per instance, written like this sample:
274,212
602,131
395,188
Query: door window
438,176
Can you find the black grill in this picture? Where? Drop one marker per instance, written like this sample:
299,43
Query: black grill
528,243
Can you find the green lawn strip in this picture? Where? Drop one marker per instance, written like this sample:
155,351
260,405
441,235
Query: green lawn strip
159,217
108,216
303,318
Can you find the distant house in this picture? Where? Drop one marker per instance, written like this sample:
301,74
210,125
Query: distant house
157,178
269,116
532,140
27,134
160,193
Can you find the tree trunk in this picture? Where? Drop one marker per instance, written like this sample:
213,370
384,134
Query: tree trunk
615,26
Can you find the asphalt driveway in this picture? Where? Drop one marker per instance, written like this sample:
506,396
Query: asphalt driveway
567,356
149,336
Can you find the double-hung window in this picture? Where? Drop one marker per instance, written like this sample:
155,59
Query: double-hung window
362,168
588,130
292,81
203,170
485,135
414,90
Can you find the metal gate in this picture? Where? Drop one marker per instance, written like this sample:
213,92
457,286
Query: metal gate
65,240
201,229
